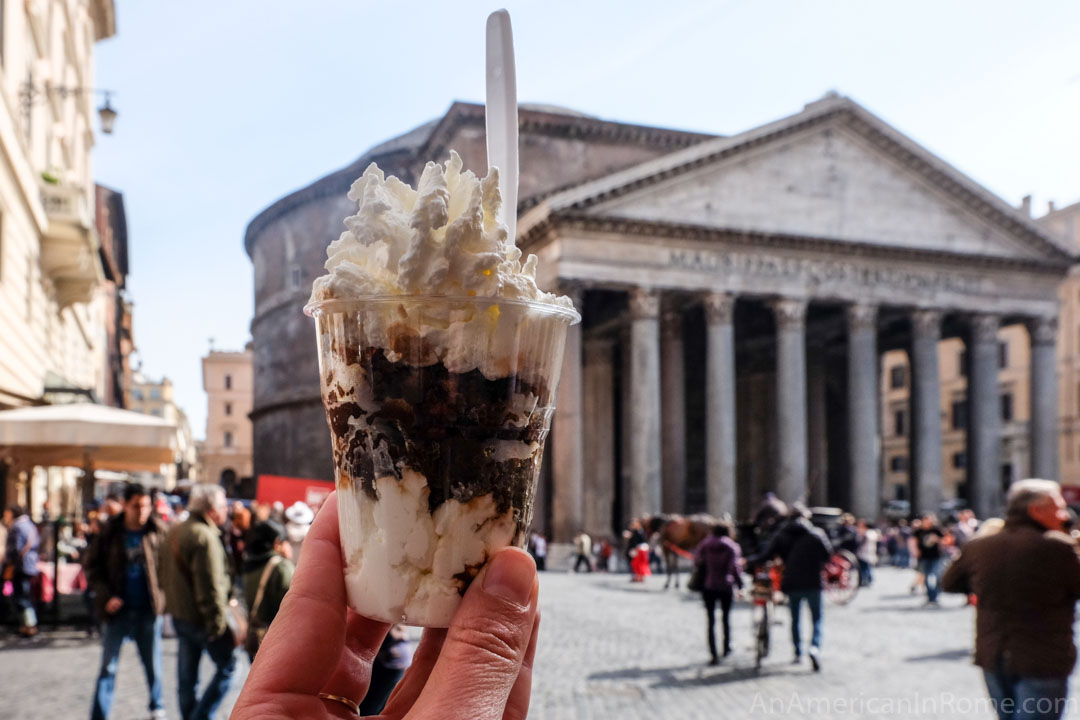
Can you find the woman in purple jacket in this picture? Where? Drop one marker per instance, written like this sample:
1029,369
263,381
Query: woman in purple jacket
717,557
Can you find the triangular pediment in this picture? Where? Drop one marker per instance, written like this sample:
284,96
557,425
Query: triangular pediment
835,173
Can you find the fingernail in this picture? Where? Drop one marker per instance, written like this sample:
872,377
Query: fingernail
511,575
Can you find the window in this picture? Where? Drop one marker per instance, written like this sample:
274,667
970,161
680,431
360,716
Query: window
155,393
898,463
228,438
136,394
1003,354
156,412
228,382
228,408
900,423
959,460
897,377
1006,407
961,360
959,415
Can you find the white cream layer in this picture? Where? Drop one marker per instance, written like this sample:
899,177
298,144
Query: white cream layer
402,560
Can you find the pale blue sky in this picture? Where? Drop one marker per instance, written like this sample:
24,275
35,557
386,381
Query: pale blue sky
226,106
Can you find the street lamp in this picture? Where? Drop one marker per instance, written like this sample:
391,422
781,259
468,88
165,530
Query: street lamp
31,94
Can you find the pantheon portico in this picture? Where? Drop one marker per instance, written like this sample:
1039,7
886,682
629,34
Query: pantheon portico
737,298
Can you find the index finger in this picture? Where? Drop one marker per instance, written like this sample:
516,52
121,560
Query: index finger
306,639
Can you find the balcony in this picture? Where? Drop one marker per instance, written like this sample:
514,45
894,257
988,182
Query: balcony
69,246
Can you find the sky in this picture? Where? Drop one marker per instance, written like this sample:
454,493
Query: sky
227,106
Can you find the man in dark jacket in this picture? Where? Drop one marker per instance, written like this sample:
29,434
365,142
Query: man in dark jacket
804,550
717,558
267,567
197,583
1026,578
122,569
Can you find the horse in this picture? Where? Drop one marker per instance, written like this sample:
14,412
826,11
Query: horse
679,536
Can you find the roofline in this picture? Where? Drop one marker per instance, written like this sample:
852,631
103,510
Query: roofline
830,107
461,113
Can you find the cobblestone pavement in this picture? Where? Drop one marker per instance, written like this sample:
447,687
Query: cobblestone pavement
612,650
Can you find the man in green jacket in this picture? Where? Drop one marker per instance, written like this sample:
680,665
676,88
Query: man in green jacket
196,581
270,567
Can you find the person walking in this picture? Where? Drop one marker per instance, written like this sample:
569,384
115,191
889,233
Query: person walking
804,549
583,550
196,581
122,569
267,574
866,552
21,565
929,541
1026,577
717,559
390,663
538,546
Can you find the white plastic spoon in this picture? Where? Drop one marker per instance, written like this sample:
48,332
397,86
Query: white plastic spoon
501,114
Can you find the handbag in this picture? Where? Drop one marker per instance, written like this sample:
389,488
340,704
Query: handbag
696,583
256,631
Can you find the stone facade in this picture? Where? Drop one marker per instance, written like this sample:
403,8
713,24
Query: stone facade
771,270
226,454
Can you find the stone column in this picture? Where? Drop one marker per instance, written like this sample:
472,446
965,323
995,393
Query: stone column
599,433
817,425
791,399
568,459
673,403
926,410
984,417
644,398
1044,398
862,402
720,405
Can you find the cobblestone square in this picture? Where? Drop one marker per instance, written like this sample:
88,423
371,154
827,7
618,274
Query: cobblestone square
612,649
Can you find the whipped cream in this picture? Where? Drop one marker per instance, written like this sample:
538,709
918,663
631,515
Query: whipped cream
442,238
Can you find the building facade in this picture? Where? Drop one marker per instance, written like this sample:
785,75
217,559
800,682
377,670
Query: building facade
739,296
111,222
52,309
227,449
156,397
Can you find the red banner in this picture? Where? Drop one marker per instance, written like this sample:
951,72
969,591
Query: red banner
287,490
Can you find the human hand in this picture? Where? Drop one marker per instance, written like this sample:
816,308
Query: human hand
113,605
478,669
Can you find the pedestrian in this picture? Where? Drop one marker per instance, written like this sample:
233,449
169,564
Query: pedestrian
929,542
122,568
717,559
804,549
634,536
390,663
640,566
267,573
196,582
1026,577
606,551
866,551
21,565
298,518
583,551
538,549
239,525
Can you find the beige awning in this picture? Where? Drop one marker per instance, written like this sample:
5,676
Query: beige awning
82,433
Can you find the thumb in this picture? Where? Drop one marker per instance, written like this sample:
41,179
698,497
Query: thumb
485,644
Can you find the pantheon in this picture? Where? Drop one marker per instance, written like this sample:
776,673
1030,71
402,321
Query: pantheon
738,293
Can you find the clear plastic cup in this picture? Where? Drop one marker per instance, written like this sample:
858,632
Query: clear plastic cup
438,410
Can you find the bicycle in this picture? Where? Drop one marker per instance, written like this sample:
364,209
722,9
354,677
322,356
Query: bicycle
762,591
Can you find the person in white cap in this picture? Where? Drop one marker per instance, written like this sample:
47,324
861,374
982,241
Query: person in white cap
298,518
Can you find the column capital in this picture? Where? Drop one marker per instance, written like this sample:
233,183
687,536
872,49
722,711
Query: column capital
984,327
671,324
862,316
790,313
719,307
644,303
926,323
1043,330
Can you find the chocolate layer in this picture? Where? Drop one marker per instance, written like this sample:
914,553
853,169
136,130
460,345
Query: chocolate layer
443,425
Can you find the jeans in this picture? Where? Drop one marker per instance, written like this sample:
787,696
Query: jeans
193,642
866,573
931,569
711,598
383,681
813,600
1027,698
24,599
144,628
